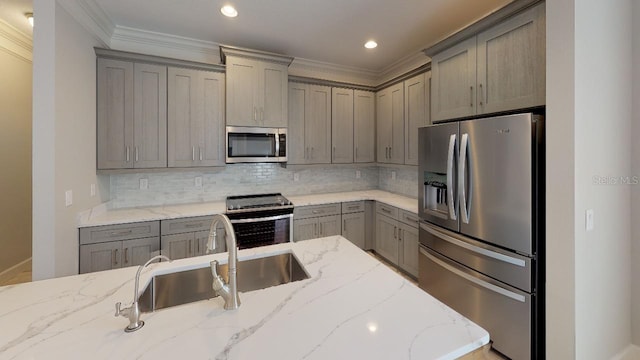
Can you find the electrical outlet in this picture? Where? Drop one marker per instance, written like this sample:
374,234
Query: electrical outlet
358,174
93,190
144,184
589,220
393,175
198,182
296,177
68,198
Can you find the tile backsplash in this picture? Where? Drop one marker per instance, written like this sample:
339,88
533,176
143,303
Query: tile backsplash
175,187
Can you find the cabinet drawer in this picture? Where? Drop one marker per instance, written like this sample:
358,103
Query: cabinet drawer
184,225
98,234
353,206
387,210
317,210
408,218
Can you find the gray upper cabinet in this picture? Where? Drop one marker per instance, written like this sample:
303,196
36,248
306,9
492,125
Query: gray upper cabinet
342,125
131,115
309,133
416,113
364,107
256,89
390,124
500,69
196,118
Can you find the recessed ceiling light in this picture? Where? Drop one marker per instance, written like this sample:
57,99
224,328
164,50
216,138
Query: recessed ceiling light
29,18
371,44
229,11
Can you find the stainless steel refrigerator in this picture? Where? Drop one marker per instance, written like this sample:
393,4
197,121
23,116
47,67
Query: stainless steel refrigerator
481,205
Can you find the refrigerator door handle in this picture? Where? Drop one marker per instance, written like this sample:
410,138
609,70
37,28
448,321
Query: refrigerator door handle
472,248
465,205
473,279
450,169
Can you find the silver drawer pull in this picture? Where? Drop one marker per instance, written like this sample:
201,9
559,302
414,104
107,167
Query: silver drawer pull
411,219
386,210
355,207
475,249
194,225
120,233
473,279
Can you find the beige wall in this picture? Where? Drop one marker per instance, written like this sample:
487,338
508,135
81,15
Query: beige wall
64,138
589,144
15,156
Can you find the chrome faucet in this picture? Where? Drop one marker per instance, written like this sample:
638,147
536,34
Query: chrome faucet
229,292
133,311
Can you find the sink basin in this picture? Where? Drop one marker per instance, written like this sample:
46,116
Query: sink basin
184,287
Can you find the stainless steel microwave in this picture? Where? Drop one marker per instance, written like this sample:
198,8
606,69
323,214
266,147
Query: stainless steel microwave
256,145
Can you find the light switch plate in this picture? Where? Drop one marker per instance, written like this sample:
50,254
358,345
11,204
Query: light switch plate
589,220
296,177
358,174
198,182
68,198
393,175
144,184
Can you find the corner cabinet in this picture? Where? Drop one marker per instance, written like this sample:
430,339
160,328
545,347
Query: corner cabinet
309,131
500,69
256,87
397,237
390,124
131,115
196,118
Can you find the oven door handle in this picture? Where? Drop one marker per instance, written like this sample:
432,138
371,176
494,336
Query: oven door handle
261,219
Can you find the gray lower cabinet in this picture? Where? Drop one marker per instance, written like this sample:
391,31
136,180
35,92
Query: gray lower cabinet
187,237
116,246
316,221
397,237
353,222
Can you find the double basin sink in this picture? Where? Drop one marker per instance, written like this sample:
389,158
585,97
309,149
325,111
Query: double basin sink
188,286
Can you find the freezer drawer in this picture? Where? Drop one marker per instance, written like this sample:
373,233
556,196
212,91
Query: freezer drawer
505,266
505,312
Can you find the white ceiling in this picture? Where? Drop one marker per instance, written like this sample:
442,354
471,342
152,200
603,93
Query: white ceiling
332,31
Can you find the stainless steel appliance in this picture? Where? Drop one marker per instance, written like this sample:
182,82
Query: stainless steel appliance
254,144
481,205
260,220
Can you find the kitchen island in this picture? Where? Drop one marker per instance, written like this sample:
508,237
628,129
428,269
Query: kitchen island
351,307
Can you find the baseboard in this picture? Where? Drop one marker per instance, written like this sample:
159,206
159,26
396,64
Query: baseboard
631,352
15,270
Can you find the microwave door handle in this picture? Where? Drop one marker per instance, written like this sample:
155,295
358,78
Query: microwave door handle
450,169
277,140
462,172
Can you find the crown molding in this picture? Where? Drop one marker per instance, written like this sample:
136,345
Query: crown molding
253,54
91,16
167,45
15,42
333,72
402,66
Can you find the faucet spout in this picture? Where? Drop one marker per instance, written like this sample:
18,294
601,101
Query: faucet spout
229,291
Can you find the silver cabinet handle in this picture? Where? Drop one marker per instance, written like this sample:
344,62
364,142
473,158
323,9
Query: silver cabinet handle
390,152
126,255
386,210
255,114
136,154
311,153
411,219
193,225
395,236
334,152
452,147
198,246
190,247
200,150
262,115
471,96
115,257
465,205
321,232
127,151
472,248
344,226
386,152
193,153
473,279
315,229
400,234
120,233
481,95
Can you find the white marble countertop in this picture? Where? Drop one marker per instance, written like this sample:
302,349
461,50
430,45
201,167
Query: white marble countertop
351,307
101,216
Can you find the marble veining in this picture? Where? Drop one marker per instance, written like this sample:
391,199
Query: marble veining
350,307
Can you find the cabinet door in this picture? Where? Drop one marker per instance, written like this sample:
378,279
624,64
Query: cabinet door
273,107
453,80
305,229
387,238
383,124
409,248
511,63
353,228
211,142
318,129
101,256
415,114
329,225
178,246
202,237
298,112
115,114
182,117
342,125
396,149
139,251
241,83
150,116
364,126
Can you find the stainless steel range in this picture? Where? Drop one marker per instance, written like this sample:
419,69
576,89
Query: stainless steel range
260,220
